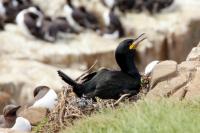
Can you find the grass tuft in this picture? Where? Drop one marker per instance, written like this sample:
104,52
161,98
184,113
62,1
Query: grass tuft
143,117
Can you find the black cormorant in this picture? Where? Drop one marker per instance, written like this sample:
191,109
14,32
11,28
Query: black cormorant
108,84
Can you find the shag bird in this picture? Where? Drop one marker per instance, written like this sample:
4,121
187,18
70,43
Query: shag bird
52,28
109,84
79,17
7,120
154,6
126,5
113,26
108,3
45,97
10,8
149,68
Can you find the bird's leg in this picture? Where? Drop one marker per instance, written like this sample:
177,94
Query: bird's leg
121,98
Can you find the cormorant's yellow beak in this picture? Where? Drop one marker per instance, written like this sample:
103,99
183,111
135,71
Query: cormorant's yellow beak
137,41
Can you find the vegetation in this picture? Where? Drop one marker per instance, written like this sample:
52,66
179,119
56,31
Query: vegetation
143,117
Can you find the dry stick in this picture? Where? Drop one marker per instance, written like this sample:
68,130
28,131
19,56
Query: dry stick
121,98
87,70
73,115
62,109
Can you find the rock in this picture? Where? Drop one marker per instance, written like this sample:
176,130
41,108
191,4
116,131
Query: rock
21,77
168,86
163,70
5,99
194,54
34,115
4,130
183,85
193,89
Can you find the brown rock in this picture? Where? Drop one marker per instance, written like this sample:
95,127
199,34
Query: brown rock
162,71
194,54
194,86
168,87
188,66
34,115
5,99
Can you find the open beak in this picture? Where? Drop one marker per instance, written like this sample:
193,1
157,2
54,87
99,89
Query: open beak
139,39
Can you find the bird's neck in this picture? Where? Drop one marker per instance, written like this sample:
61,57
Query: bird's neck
10,121
127,64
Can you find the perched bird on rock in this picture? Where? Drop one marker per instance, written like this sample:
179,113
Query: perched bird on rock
7,120
45,97
111,84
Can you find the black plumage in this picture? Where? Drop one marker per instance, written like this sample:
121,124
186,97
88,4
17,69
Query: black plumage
84,17
108,84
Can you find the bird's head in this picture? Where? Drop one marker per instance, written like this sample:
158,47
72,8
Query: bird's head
39,89
128,45
10,111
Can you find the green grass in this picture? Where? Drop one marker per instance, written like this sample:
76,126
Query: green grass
144,117
39,127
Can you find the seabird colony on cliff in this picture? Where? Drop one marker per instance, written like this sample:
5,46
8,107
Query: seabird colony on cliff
33,21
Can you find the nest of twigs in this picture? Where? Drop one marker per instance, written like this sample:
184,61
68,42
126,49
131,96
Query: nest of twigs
71,108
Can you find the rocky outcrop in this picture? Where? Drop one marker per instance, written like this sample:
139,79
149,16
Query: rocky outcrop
180,83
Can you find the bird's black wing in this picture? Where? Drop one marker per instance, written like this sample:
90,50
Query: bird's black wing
111,84
79,17
116,24
88,77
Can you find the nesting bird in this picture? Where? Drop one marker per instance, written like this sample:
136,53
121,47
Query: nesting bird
52,28
45,97
7,120
113,26
30,21
79,17
126,5
110,84
10,8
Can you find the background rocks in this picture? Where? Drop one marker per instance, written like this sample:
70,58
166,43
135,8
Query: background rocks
184,83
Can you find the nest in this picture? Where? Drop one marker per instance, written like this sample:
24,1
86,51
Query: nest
71,108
